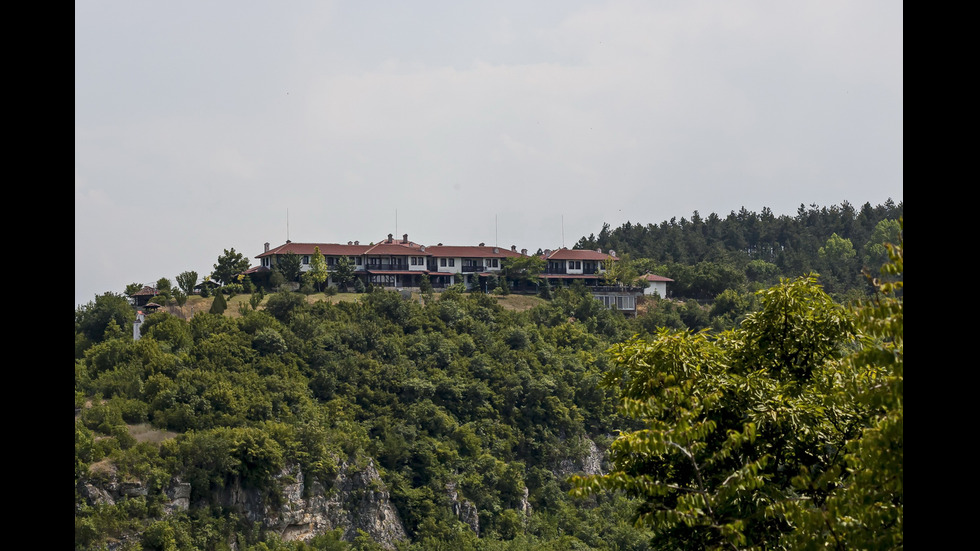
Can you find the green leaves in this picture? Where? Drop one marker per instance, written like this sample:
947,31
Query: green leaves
750,434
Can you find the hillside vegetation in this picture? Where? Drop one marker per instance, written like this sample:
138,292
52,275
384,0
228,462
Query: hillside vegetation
457,421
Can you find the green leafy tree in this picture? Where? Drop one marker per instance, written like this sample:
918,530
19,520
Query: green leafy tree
230,264
164,286
219,305
523,268
276,280
343,272
865,505
187,281
92,319
619,272
743,427
318,272
133,288
876,251
180,297
290,266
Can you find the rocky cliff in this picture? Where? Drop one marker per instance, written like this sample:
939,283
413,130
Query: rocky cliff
357,500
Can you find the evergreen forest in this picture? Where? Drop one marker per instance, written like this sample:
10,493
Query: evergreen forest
758,405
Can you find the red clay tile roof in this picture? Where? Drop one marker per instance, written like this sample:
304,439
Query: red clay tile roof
578,254
396,248
329,249
653,277
471,251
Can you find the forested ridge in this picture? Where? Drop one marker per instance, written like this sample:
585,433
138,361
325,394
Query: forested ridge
706,255
476,417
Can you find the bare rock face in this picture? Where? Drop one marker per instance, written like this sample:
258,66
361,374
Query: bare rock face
464,509
357,500
589,461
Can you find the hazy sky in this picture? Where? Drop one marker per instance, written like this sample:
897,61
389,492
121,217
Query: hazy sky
199,124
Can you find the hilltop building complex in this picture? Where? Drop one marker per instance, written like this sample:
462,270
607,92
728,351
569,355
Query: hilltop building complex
401,263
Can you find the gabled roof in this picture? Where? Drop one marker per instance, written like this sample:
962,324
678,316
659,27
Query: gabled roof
654,277
329,249
396,248
471,251
578,254
146,291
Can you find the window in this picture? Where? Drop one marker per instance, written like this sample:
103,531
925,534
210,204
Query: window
452,261
306,259
442,262
266,262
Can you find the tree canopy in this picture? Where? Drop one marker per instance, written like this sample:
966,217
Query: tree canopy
784,432
230,264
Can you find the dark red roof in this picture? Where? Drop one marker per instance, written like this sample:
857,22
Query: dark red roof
653,277
396,248
146,291
471,251
578,254
328,249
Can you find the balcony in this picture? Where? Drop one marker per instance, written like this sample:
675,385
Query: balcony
386,266
471,269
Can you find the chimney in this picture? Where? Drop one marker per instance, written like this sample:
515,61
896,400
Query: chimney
266,247
547,253
440,244
288,242
483,244
599,250
405,239
390,238
612,252
496,250
350,242
357,242
513,248
523,251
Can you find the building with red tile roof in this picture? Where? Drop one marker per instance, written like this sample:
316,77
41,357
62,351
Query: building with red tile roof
395,262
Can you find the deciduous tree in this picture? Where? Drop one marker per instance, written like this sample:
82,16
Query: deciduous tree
290,266
187,281
318,272
752,440
343,272
230,264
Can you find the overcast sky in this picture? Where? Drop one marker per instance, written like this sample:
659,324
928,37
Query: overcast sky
198,125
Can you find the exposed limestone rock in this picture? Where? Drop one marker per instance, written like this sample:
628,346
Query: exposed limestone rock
358,500
588,462
464,509
525,504
179,494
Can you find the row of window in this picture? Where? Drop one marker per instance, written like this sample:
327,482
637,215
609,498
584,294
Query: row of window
620,302
415,261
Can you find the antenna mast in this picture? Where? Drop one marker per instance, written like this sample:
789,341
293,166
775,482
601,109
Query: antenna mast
563,231
287,224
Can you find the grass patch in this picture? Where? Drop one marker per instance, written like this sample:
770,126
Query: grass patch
520,303
144,432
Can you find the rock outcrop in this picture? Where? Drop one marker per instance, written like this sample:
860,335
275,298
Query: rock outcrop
589,461
357,500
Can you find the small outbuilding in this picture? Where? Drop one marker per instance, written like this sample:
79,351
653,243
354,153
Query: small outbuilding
657,285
